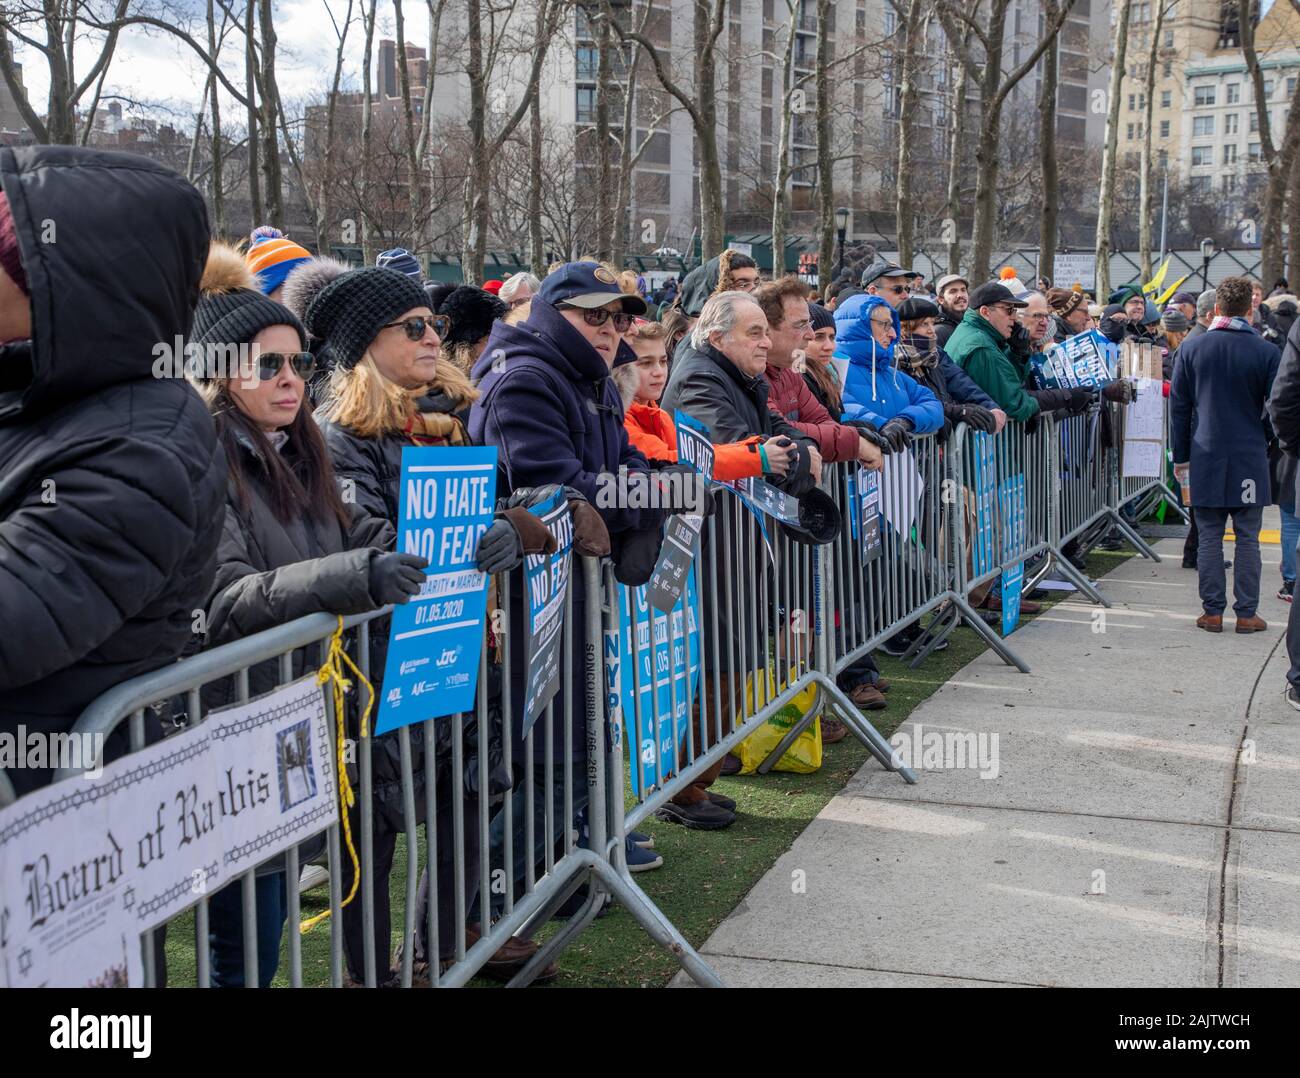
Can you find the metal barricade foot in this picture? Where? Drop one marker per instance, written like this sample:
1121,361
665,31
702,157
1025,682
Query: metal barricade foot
548,951
1130,533
1005,652
865,732
1078,579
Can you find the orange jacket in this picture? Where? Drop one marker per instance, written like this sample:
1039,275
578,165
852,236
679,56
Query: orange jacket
651,430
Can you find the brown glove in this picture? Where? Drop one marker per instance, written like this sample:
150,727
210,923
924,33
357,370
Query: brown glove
534,536
590,536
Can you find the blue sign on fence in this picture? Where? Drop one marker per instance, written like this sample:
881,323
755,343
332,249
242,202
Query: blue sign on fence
445,504
984,464
658,660
1013,580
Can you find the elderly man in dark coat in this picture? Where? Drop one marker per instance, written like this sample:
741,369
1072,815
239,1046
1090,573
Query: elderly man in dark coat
1220,443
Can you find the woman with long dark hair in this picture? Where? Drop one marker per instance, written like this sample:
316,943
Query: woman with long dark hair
289,546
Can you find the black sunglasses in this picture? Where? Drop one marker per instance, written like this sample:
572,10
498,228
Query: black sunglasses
598,316
415,327
269,364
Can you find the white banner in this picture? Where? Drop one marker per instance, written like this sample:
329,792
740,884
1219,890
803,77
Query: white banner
87,865
1079,266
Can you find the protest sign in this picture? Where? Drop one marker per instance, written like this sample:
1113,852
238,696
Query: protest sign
693,445
1144,431
1086,359
984,466
546,578
864,515
1013,580
87,865
664,589
447,496
656,667
901,487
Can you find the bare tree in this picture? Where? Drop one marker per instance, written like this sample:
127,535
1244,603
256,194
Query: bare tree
956,156
1047,163
536,243
989,28
270,98
1144,165
1106,202
825,165
709,18
911,15
414,171
367,132
1278,158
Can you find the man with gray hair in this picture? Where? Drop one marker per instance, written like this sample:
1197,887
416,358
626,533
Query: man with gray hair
1204,314
518,289
718,380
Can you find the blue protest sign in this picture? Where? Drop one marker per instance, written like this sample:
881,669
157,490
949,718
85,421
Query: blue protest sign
693,445
546,579
864,513
1012,581
445,504
657,657
1011,503
984,464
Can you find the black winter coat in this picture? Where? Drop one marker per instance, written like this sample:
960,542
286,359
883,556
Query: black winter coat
945,324
709,388
111,479
1284,412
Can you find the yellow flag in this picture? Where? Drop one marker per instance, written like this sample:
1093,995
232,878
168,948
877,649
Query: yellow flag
1159,278
1167,294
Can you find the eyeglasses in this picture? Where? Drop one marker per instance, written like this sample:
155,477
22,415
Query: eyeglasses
269,364
887,324
598,316
416,327
1005,308
745,286
897,290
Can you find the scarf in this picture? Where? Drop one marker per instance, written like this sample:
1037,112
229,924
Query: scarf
917,353
1240,325
430,426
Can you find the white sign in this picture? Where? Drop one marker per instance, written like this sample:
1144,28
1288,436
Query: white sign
87,865
901,487
1081,266
743,248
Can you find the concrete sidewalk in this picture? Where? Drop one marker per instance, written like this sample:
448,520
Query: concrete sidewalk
1143,827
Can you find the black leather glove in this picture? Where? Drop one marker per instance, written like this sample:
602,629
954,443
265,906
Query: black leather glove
1120,391
871,433
1080,398
395,577
972,415
1020,343
898,432
499,548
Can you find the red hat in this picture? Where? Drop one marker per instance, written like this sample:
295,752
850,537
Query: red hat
492,286
11,258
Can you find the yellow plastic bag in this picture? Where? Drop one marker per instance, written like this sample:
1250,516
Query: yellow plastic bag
804,754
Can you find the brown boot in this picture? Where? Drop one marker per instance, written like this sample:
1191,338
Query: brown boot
510,958
833,730
882,684
1252,624
1211,623
867,697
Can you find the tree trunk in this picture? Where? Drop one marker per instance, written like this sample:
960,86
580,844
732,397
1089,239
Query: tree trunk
908,94
250,143
367,115
270,110
192,158
60,120
474,210
217,176
622,216
604,168
1106,198
1293,225
782,183
1047,163
1144,166
536,242
825,166
956,153
325,189
415,173
707,30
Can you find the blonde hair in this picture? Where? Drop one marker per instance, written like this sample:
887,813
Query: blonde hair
367,403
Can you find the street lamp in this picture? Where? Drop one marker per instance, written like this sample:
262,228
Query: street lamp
1207,252
841,227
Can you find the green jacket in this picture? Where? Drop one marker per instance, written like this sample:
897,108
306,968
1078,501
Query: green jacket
983,353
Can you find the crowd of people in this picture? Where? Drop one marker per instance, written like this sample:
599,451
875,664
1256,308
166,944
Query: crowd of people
260,495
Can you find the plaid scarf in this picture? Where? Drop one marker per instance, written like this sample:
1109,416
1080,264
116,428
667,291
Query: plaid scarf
1241,325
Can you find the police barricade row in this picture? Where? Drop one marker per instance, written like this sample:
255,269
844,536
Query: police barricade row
584,707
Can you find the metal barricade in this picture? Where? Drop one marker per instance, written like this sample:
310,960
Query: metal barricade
1136,496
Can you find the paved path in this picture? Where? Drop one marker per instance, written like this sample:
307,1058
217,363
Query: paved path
1127,839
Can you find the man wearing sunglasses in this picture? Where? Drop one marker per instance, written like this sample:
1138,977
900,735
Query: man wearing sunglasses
889,281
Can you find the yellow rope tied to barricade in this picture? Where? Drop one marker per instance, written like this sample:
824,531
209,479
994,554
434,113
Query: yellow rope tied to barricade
332,671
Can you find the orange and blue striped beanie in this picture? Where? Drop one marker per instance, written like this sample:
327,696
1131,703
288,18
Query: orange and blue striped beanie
272,257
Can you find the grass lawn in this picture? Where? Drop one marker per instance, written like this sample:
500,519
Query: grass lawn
705,874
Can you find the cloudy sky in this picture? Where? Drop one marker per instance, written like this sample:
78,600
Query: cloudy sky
163,74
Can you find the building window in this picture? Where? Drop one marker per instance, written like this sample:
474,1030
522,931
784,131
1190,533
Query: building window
1254,121
1169,39
1130,132
588,63
1234,92
1203,95
1252,153
1229,183
1268,89
1200,185
1132,102
1167,69
1290,86
1230,123
1166,99
1141,13
1202,155
1202,126
1164,128
586,107
1230,153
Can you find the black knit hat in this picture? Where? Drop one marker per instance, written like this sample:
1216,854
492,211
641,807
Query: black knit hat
238,316
821,317
471,310
914,308
349,312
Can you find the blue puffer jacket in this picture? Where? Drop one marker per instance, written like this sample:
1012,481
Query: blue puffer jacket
875,390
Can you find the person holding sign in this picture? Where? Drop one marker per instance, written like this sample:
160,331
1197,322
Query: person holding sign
289,546
390,389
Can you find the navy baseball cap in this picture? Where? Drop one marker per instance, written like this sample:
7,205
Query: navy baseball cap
587,284
986,295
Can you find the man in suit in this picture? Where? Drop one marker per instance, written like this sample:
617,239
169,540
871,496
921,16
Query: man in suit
1216,407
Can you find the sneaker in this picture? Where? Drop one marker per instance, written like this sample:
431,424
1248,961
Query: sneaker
833,731
641,860
640,838
312,876
1292,696
721,800
696,815
1286,591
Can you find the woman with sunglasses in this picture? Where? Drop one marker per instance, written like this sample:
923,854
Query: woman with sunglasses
289,546
392,388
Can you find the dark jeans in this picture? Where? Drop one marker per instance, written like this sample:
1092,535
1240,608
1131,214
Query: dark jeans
226,930
1210,524
864,671
1192,543
1293,645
